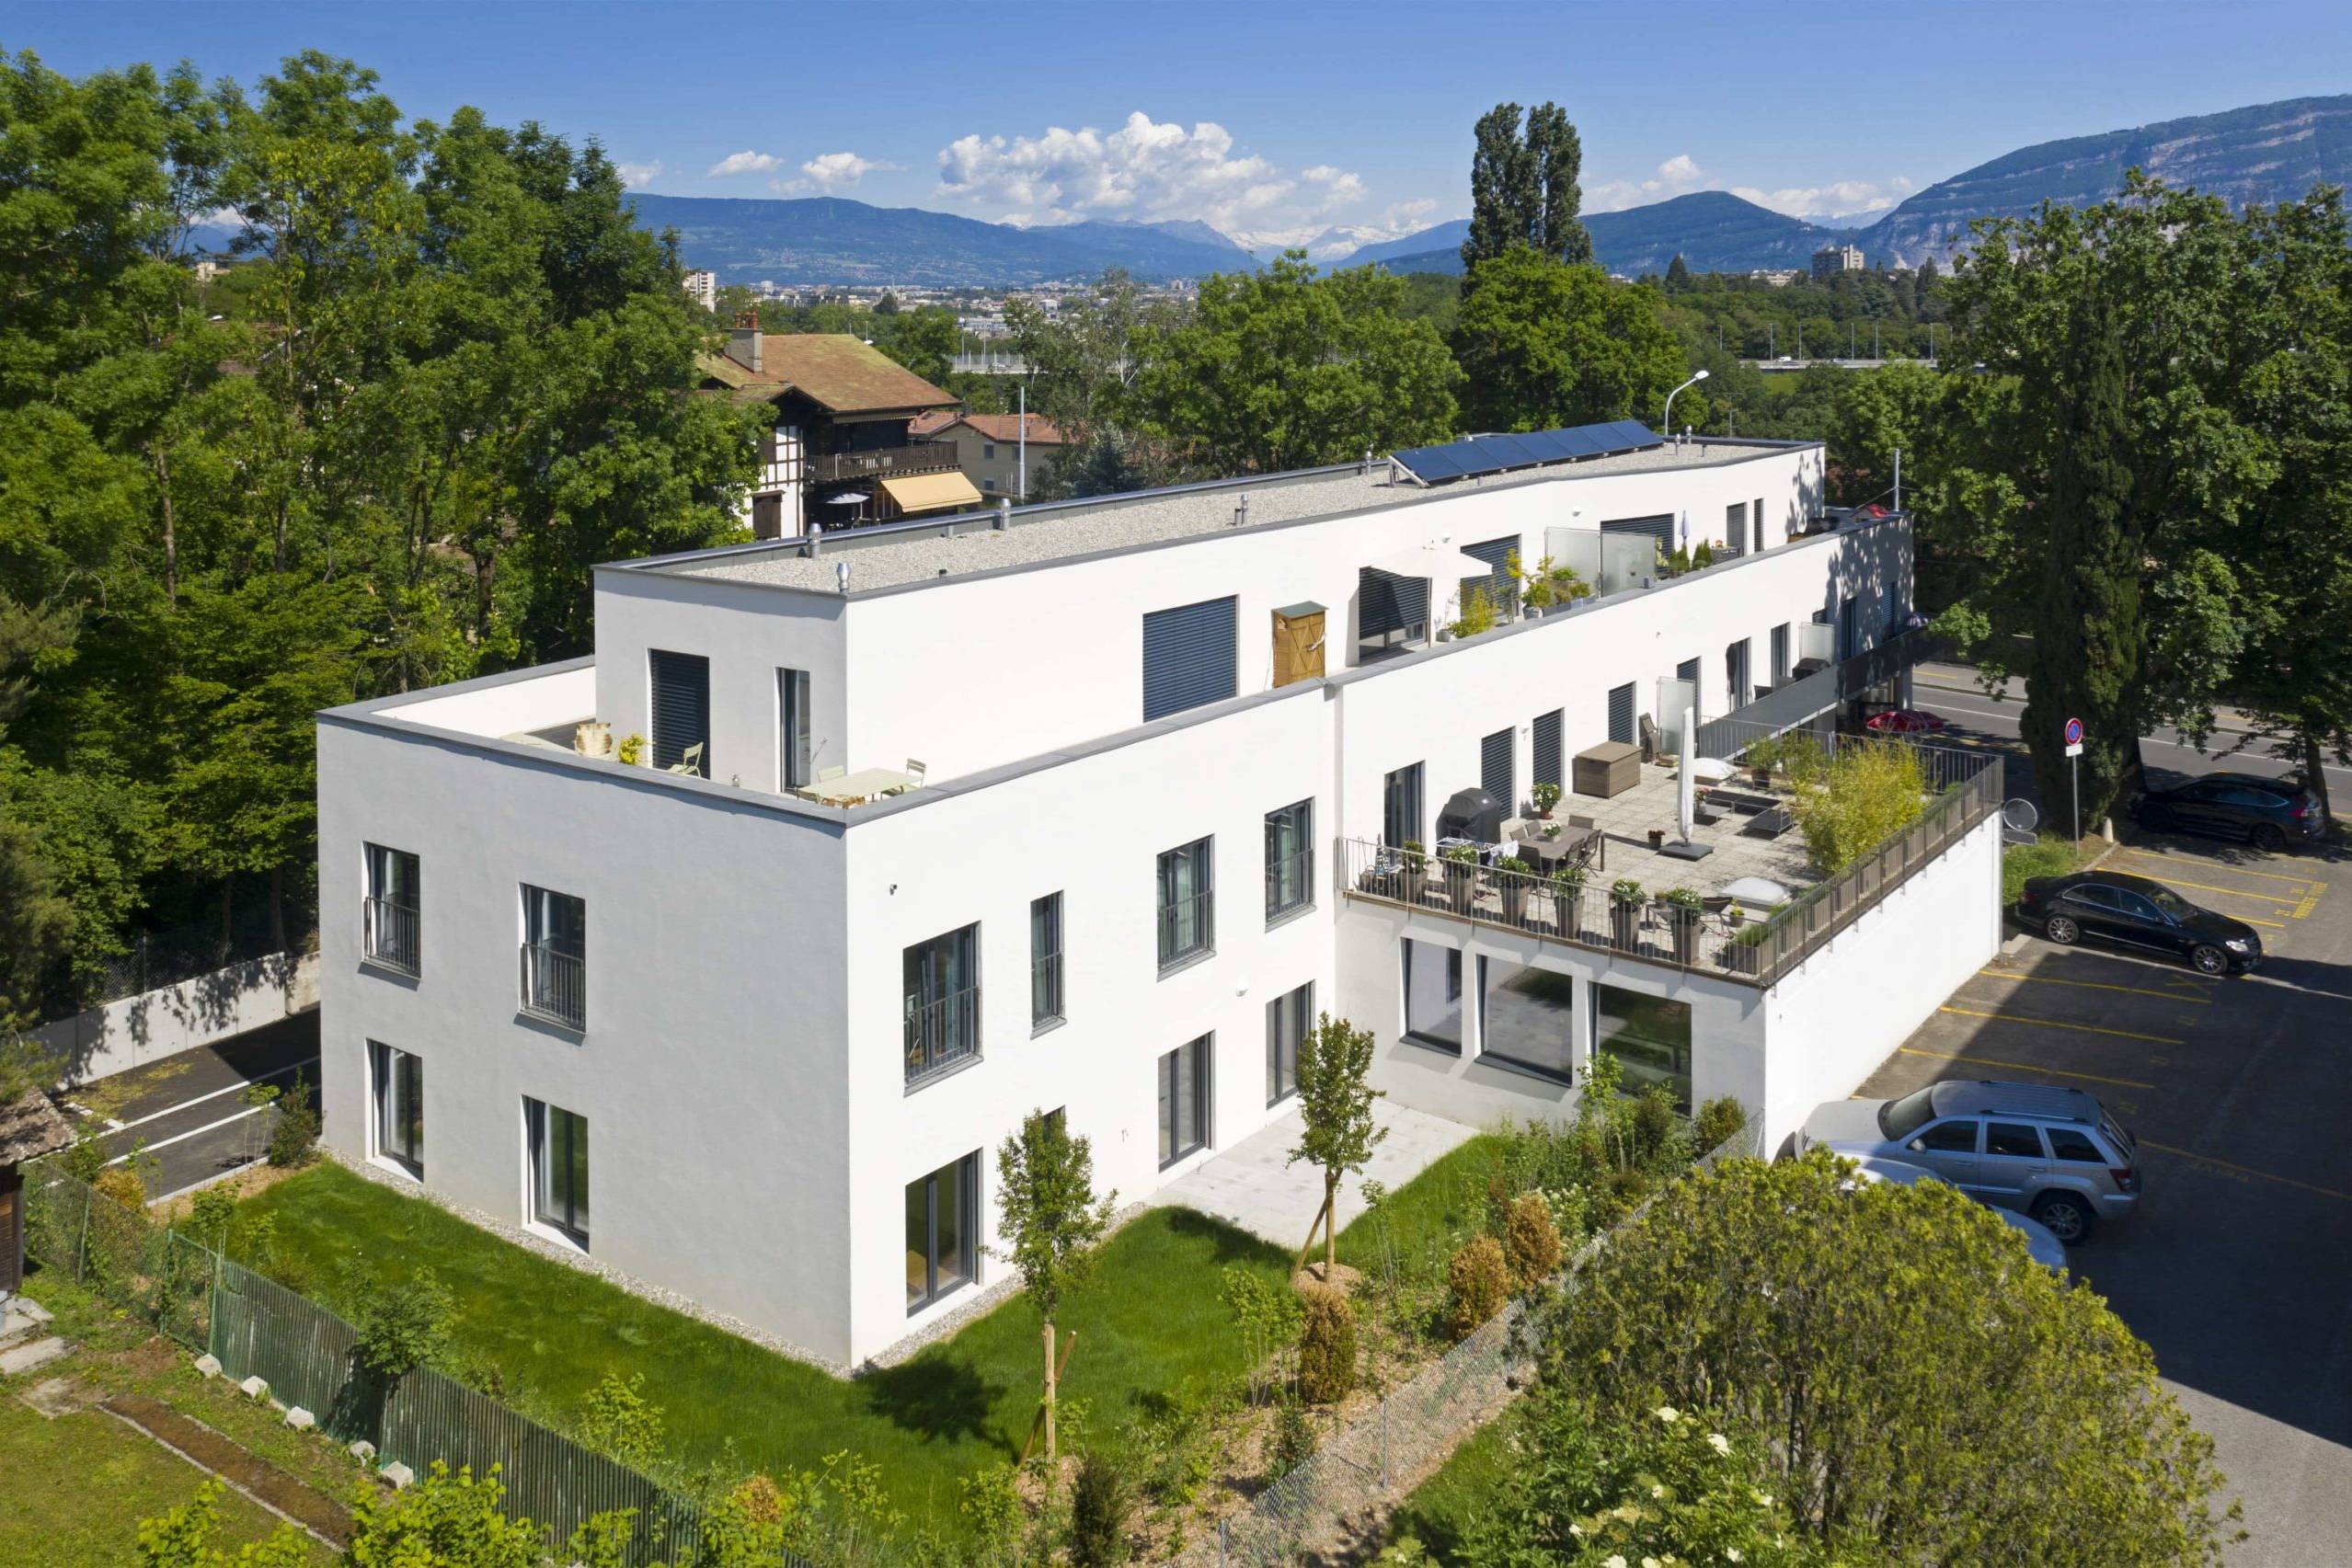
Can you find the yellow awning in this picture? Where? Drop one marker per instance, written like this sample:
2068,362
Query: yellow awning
931,492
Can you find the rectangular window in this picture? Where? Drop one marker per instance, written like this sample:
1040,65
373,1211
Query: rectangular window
1392,613
987,484
2019,1140
1527,1017
1045,959
1779,654
942,1001
1288,1019
1498,769
988,451
1756,518
1289,859
1189,656
943,1230
1433,995
1734,529
1621,714
398,1082
1184,1100
1400,815
1734,674
1187,906
389,930
558,1169
1550,759
554,957
792,760
680,683
1651,1038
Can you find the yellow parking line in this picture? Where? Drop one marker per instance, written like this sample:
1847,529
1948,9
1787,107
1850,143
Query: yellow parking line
2246,1171
2056,1024
2226,870
2021,1066
2233,892
2099,985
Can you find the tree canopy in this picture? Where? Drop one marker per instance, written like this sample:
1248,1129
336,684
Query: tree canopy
1523,187
1542,343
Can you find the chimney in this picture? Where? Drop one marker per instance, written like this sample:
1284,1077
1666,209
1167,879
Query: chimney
743,341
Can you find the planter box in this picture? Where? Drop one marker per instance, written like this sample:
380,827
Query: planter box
1609,769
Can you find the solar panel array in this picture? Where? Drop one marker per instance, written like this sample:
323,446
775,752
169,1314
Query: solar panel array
1480,455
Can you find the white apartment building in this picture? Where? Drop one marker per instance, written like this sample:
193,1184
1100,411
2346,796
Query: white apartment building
702,286
1074,808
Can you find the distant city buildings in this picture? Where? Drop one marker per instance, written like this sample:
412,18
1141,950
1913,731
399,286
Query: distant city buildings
1777,277
702,287
1833,259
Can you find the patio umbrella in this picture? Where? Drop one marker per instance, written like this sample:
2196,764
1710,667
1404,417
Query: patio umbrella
1711,770
1905,721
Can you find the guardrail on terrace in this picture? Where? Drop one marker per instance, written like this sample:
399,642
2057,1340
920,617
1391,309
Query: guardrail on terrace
1754,952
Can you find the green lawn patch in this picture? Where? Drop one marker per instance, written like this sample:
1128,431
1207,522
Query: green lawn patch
2049,855
1448,1199
76,1488
1154,1323
1439,1511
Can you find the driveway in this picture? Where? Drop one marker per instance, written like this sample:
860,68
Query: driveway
2237,1268
189,1109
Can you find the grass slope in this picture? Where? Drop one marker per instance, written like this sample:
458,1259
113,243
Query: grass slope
1156,1322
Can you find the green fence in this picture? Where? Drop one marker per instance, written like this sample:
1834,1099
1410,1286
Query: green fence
255,1327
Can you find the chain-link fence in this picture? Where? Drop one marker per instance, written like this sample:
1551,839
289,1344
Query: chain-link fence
255,1327
1340,1496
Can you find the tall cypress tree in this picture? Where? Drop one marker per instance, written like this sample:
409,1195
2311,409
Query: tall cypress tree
1523,188
1559,157
2088,633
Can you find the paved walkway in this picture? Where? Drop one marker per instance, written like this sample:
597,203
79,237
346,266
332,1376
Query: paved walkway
1250,1185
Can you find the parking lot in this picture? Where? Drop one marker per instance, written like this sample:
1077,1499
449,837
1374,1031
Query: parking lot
2237,1268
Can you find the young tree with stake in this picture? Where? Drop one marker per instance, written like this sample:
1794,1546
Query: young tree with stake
1335,1109
1052,1223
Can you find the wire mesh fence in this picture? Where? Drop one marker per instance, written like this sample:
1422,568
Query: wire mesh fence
1337,1500
255,1327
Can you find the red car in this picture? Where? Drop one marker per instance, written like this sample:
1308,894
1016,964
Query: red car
1904,721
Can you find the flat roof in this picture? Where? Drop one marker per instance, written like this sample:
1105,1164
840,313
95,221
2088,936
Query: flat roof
969,543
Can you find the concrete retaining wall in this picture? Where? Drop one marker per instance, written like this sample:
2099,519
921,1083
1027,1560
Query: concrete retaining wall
136,1030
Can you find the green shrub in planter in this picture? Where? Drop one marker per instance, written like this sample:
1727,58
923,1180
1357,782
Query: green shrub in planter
1625,890
1328,1348
1545,797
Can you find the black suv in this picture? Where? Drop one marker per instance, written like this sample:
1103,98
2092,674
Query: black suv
2132,912
2272,813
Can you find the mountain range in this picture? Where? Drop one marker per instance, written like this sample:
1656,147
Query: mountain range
2267,153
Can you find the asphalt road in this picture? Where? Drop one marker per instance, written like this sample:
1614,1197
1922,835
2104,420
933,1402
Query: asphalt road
189,1110
2237,1268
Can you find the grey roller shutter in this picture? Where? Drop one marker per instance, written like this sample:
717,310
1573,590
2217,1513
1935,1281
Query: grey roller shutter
1189,657
1548,762
681,706
1621,714
1386,603
1498,584
1658,528
1734,529
1496,769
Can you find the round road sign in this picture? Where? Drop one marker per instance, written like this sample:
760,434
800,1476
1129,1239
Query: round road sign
2074,732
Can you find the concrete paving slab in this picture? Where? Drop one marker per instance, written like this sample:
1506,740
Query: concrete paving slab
1253,1185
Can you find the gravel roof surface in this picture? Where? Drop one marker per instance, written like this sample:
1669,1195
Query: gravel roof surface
1148,518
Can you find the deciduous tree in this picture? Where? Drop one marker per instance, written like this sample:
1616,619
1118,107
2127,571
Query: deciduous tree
1052,1224
1337,1132
1523,187
1542,344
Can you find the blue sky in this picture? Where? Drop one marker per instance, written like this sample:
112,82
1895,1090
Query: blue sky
1265,118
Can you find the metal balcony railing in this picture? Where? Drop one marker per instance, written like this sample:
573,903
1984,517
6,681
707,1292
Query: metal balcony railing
1045,988
555,985
1290,883
915,457
1758,949
941,1032
389,935
1187,927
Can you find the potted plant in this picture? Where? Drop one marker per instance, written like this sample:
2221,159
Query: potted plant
1658,838
1567,899
1461,876
1625,898
1683,905
1545,797
632,750
1413,881
1760,760
1515,877
1703,556
1743,955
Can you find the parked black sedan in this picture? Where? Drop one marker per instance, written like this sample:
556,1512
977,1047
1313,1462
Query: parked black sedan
2132,912
2272,813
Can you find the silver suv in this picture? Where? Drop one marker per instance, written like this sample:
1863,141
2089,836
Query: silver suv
2052,1153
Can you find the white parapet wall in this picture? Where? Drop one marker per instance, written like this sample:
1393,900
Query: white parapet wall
135,1030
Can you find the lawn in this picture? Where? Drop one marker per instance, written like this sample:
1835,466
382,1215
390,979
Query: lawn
1156,1323
76,1488
1437,1512
1446,1200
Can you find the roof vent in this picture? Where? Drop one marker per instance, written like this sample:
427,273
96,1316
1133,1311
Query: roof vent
1004,512
1240,512
841,576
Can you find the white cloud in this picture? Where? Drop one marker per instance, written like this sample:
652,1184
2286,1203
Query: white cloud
1837,200
1145,169
636,177
831,172
745,162
1402,218
1676,175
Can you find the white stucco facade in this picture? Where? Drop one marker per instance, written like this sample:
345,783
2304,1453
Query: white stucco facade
743,1067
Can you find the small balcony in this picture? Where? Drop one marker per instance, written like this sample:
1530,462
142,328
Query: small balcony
915,457
941,1033
555,985
389,935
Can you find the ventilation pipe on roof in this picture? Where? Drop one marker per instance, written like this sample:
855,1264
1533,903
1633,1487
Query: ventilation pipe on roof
841,576
1367,467
1240,512
1004,514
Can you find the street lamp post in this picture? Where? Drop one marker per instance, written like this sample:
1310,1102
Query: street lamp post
1696,377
